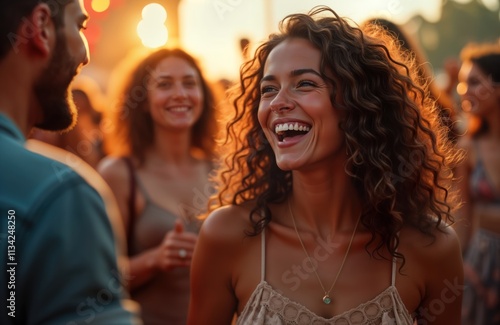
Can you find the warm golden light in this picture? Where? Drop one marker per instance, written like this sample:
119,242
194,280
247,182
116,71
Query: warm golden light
158,39
100,5
154,12
152,34
151,29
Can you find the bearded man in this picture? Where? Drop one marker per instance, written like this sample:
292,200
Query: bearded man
56,241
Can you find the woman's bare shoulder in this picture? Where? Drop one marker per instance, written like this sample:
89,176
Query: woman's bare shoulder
227,224
441,241
113,169
436,256
223,239
434,265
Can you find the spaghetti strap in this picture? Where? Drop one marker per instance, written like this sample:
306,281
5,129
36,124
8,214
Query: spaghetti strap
131,204
142,189
394,265
263,255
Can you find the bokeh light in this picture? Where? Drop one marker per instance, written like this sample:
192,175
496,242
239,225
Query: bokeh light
151,29
152,35
100,5
155,12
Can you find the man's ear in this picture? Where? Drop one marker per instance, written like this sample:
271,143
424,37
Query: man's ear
38,30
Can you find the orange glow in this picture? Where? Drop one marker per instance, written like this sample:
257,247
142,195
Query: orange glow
100,5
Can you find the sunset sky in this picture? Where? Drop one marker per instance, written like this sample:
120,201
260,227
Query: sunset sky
211,29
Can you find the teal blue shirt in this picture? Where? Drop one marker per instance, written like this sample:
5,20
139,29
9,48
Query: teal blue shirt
57,250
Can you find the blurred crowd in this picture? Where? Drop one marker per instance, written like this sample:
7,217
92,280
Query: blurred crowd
151,141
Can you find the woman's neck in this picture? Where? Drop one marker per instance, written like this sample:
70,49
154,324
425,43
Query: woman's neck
326,202
171,146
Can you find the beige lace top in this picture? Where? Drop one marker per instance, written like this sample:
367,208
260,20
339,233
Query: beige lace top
268,306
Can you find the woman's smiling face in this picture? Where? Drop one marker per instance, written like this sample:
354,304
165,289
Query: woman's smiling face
295,111
175,94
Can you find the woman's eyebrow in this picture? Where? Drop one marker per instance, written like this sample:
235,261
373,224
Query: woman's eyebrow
299,72
293,73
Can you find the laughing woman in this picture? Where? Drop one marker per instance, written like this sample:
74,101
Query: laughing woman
333,206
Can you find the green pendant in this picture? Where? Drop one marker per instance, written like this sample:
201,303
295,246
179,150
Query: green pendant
327,300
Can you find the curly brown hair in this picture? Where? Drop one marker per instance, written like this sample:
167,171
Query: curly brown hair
424,72
132,121
399,158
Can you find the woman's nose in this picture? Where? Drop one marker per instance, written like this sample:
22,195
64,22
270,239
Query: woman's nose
281,103
179,91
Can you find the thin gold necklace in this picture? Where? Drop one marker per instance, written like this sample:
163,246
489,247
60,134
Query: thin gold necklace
326,298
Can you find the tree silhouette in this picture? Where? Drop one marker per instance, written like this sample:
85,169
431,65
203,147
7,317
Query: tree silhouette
460,24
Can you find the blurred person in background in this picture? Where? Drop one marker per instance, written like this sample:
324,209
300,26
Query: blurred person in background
478,179
85,140
56,240
160,161
410,46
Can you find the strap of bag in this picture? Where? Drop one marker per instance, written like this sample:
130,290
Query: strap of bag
131,204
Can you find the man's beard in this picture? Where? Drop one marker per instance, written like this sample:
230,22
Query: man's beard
52,90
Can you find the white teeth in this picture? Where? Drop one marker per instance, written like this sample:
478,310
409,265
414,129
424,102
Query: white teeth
290,126
179,109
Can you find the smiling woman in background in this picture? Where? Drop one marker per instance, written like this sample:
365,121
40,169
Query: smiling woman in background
159,170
